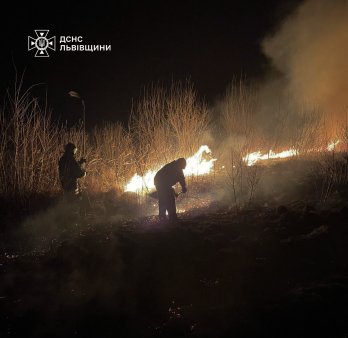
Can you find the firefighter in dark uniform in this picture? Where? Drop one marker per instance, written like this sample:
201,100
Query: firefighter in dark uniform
70,170
165,178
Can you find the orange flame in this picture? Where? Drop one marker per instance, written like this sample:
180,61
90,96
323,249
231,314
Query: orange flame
195,165
252,158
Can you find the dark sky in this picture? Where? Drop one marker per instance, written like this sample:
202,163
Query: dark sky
207,42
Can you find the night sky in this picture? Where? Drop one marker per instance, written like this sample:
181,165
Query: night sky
152,42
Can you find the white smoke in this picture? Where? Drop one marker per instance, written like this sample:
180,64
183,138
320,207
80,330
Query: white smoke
310,49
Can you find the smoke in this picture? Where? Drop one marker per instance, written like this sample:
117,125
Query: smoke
310,49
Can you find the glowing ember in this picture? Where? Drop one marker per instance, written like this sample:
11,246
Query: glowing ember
252,158
331,146
196,165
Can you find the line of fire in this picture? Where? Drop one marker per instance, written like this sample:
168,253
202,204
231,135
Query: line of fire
174,169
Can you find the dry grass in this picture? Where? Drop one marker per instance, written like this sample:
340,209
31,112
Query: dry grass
167,124
246,125
239,136
30,143
110,159
330,168
164,124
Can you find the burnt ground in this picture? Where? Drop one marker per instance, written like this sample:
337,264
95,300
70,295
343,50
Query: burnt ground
261,272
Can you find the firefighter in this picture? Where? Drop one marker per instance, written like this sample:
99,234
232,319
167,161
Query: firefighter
70,170
165,178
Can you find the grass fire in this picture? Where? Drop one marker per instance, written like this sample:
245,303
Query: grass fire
237,174
196,165
175,171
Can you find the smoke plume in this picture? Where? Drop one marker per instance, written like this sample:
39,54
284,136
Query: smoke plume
310,49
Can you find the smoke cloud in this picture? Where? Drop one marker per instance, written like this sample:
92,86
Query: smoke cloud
310,49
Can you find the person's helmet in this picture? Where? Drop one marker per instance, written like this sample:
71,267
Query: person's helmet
70,148
182,162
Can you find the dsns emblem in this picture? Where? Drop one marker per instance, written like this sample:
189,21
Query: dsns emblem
41,43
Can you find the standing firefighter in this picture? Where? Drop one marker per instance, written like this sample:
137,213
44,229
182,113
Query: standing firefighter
71,170
165,178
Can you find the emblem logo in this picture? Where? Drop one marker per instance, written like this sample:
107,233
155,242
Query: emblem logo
41,43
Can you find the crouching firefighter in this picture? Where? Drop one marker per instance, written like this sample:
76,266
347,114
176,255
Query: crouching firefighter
165,178
70,170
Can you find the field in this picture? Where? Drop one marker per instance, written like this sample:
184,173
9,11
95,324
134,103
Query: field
263,272
259,251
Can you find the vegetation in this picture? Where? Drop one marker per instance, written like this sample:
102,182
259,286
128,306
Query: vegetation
164,124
